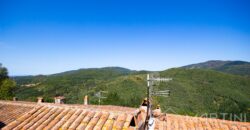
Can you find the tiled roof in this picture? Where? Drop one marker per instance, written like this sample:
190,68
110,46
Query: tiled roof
60,116
50,116
177,122
10,111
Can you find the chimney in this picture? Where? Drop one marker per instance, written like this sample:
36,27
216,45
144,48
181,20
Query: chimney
144,105
59,100
86,100
15,98
39,99
157,111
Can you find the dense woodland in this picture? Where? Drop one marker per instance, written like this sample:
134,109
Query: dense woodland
194,91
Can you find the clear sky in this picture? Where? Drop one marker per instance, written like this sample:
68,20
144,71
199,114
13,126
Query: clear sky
51,36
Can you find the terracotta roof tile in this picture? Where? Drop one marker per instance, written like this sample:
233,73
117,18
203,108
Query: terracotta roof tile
54,117
91,124
85,120
49,116
110,121
173,122
78,120
10,111
63,120
127,121
101,121
67,124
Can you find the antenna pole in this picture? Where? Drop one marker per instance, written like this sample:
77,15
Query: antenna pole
148,96
100,96
99,101
150,92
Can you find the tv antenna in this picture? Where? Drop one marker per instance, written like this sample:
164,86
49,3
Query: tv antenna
100,95
164,93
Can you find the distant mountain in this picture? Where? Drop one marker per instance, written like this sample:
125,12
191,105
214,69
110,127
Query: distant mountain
231,67
116,70
80,74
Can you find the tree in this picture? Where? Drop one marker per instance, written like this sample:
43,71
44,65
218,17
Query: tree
3,73
6,84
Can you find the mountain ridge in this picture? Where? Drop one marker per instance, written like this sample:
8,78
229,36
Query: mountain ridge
232,67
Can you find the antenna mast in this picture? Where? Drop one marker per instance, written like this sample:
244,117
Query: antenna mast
100,96
150,92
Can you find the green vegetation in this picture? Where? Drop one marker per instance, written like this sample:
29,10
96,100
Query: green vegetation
74,85
193,91
196,91
6,84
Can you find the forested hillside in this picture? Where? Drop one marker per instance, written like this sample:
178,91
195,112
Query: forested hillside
197,91
193,91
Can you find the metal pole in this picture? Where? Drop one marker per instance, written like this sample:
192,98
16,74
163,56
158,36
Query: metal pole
148,96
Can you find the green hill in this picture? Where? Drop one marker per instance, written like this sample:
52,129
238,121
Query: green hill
193,91
196,91
231,67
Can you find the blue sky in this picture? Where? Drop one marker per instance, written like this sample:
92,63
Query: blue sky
51,36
